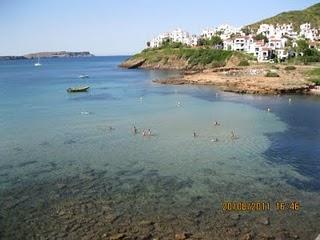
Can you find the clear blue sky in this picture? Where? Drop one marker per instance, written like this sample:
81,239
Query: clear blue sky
114,27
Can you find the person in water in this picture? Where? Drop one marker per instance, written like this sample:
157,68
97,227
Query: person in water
134,130
149,132
194,134
233,135
216,123
144,133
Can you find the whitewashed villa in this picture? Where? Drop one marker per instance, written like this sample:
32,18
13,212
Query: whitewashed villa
275,42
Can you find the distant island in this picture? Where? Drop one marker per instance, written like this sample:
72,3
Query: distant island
277,55
59,54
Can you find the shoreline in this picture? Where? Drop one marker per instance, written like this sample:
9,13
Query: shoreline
250,80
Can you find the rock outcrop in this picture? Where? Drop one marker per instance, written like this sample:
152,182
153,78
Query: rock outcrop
247,80
133,63
166,63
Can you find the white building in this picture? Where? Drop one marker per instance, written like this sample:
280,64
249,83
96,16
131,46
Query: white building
279,31
309,33
224,31
241,44
177,35
236,40
157,41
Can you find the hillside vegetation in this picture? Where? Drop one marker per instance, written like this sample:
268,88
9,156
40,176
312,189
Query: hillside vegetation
183,58
311,14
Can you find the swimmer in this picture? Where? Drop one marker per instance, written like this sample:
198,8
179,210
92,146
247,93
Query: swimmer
110,128
233,135
144,133
214,140
134,130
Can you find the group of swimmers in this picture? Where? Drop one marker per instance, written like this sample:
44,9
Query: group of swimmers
147,132
144,131
233,134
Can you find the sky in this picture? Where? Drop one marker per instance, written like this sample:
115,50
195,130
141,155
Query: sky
119,27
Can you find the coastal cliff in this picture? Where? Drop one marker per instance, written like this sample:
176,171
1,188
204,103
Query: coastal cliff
183,59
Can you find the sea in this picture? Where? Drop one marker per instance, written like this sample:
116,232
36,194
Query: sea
60,152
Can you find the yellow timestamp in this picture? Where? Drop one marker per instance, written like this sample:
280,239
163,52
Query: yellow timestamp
247,206
284,206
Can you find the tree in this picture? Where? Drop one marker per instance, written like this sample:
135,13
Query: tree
213,41
260,36
201,42
246,30
302,46
308,54
289,43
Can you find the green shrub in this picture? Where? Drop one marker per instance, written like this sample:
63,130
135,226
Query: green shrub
202,56
272,74
243,63
289,68
315,75
316,81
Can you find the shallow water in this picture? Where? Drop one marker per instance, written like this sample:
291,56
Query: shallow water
50,138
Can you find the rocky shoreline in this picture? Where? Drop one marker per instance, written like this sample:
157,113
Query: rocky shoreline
256,78
251,80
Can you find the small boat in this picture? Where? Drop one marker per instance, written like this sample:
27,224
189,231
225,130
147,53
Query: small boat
78,89
83,76
38,64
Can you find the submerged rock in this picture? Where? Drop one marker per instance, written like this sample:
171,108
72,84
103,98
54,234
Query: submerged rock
146,223
118,236
247,236
182,236
235,216
264,220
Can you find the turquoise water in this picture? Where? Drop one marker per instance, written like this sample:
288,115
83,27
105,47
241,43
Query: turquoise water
48,135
